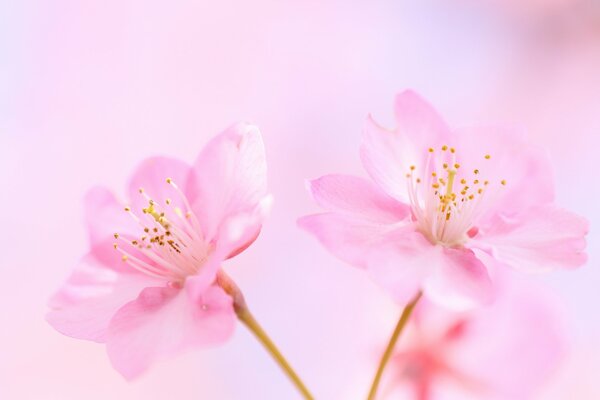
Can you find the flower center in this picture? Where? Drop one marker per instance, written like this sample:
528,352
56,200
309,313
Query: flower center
170,245
445,199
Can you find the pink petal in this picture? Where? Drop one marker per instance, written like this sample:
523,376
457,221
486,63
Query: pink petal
104,216
543,238
525,167
387,155
347,237
460,281
357,196
513,346
163,322
87,301
235,233
401,262
230,177
151,176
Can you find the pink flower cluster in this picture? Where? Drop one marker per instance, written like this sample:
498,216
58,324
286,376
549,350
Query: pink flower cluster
445,211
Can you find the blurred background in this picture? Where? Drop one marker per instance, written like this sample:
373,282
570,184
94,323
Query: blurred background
88,89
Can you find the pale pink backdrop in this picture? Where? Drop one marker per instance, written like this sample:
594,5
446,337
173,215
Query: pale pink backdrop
88,89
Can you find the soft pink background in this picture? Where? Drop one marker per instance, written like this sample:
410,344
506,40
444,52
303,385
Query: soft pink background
88,89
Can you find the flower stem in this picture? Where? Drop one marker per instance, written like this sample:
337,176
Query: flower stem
392,343
245,316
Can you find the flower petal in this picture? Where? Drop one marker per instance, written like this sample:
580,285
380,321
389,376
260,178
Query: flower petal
93,293
524,167
230,177
235,234
357,196
543,238
165,321
349,238
512,363
387,155
104,216
401,262
151,176
460,281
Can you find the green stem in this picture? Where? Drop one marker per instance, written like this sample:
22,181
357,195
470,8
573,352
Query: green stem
245,316
392,343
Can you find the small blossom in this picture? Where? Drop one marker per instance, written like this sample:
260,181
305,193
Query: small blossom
444,205
147,286
506,351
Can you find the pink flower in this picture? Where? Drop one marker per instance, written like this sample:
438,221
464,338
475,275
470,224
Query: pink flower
444,205
147,287
506,351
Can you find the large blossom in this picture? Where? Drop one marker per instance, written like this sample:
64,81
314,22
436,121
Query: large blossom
147,287
506,351
443,205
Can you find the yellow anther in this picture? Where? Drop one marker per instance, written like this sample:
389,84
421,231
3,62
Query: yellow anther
457,165
486,182
452,150
431,149
169,180
433,174
444,148
116,235
476,181
134,242
487,156
445,165
480,191
412,167
435,186
127,209
141,190
503,182
124,257
463,181
471,197
168,201
476,171
418,180
115,246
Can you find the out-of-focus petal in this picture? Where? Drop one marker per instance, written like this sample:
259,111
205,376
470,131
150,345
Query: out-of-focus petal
512,347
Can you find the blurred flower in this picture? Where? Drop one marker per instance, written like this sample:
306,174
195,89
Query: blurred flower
147,287
445,204
506,351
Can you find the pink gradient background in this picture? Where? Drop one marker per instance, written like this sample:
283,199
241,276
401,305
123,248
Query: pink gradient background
88,89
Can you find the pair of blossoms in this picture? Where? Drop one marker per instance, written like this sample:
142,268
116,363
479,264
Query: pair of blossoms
443,212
